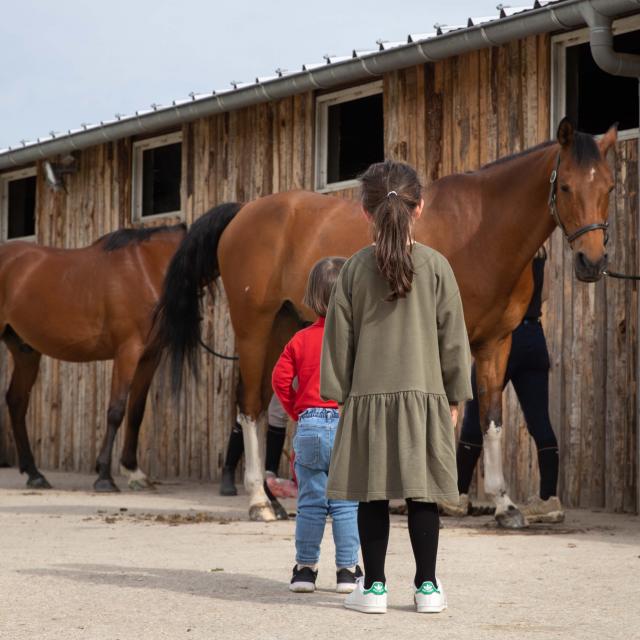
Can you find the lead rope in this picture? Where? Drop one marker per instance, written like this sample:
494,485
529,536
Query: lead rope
621,276
206,347
215,353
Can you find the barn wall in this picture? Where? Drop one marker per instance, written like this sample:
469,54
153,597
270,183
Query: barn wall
463,112
450,116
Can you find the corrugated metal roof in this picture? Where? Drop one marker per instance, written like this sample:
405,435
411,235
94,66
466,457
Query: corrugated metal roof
439,30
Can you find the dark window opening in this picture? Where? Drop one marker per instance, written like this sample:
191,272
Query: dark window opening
22,208
596,99
161,172
355,137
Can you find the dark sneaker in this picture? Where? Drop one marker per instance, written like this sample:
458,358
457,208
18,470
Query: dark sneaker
227,483
303,580
346,580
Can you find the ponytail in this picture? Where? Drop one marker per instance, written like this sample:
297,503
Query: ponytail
390,193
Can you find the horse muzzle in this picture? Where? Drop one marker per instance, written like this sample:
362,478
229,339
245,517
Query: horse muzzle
588,271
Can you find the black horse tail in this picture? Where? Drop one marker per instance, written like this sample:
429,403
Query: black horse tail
177,317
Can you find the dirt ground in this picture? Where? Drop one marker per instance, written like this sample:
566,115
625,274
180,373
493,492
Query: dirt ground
182,562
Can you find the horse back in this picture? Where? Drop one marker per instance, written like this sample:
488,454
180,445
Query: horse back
80,304
268,249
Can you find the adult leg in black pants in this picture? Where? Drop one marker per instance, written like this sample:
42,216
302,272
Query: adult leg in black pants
424,531
528,370
531,384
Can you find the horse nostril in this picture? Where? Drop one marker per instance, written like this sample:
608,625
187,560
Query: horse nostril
580,257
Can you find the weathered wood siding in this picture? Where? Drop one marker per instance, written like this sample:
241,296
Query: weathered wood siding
451,116
458,114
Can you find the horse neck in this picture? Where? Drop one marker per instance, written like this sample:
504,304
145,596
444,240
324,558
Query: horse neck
516,219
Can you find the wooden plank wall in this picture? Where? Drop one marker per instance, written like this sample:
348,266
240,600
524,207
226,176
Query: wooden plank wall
236,156
470,110
446,117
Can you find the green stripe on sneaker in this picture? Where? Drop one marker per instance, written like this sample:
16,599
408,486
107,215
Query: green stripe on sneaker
378,589
427,588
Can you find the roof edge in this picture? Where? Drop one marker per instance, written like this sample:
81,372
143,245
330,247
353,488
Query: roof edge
543,18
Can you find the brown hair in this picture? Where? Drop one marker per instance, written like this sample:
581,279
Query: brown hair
390,193
322,279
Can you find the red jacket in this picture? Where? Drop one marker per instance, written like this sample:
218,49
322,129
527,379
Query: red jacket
301,358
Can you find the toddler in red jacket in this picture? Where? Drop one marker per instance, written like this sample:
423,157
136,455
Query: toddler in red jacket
317,423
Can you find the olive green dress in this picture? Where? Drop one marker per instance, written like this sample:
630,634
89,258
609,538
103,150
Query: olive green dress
396,367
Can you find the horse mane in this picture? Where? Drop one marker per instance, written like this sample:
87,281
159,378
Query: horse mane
584,150
123,237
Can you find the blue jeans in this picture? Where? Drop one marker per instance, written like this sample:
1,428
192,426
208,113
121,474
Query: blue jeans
312,445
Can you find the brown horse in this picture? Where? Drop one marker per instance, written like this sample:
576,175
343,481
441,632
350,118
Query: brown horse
488,223
81,305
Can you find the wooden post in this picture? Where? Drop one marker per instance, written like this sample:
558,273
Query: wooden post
638,336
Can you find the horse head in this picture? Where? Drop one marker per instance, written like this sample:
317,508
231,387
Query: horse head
579,196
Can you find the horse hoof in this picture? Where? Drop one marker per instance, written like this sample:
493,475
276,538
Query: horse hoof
38,482
279,510
105,485
137,479
140,484
261,513
511,519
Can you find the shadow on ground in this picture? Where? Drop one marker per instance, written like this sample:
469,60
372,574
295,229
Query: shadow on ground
212,584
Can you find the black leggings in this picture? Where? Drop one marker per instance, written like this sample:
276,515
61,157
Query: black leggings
424,530
528,371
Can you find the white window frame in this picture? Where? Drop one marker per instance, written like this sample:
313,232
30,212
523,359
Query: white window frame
559,45
137,180
322,129
5,179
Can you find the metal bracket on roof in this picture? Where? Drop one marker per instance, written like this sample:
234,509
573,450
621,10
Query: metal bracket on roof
428,58
363,62
554,17
487,39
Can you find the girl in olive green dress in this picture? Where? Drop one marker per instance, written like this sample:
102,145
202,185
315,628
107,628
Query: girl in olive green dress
396,356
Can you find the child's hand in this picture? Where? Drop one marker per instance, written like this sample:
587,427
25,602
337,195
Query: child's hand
454,413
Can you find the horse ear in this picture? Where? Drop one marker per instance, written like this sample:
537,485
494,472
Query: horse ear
609,139
565,132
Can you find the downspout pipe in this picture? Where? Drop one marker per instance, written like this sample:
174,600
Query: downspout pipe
627,65
601,42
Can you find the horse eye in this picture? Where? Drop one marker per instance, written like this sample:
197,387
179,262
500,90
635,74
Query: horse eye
611,188
565,188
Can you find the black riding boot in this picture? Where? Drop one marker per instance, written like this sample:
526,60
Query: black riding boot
235,448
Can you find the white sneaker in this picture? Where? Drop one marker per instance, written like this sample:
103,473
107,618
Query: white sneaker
373,600
430,599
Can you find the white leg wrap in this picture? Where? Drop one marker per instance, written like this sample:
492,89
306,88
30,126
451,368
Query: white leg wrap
494,483
136,479
503,503
492,448
253,461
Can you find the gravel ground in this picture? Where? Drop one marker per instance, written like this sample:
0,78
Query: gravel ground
181,562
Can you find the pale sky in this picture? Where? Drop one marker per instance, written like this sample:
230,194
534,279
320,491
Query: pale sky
67,62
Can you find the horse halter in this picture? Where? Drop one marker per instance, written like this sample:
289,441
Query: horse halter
553,208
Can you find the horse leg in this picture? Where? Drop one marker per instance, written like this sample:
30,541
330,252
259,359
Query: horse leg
252,349
286,323
26,364
137,479
491,365
123,367
253,432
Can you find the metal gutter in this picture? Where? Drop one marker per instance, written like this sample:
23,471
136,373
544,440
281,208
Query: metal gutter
543,18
